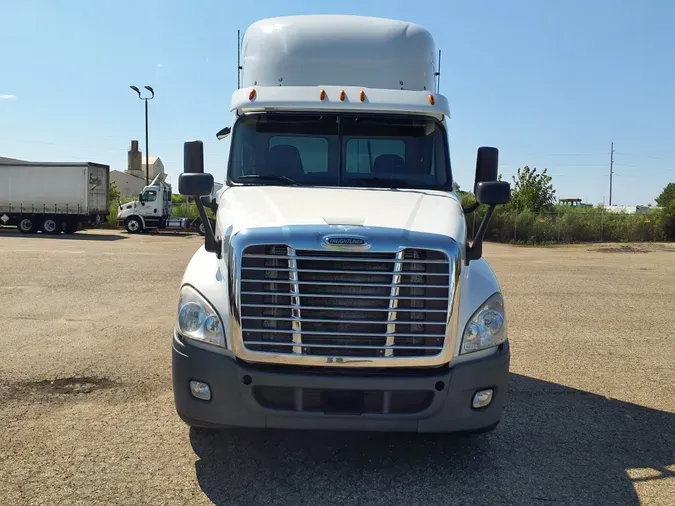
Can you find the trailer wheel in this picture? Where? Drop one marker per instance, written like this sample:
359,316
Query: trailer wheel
70,227
51,226
27,226
133,225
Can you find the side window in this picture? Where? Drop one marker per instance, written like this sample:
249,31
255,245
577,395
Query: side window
313,151
150,195
360,154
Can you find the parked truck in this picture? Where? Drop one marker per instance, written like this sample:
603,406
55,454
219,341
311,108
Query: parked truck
338,288
53,197
153,209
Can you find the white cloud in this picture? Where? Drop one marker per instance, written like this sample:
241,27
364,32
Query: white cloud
8,97
160,65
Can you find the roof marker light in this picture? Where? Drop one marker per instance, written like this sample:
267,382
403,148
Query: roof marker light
343,95
431,100
322,95
362,95
251,96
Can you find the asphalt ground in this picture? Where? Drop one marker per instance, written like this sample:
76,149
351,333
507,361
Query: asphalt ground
87,414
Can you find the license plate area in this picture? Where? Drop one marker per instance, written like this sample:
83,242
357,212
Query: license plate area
342,402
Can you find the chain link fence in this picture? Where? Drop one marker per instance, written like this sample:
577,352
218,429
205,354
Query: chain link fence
574,226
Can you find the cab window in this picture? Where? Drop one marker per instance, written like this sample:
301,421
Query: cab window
149,195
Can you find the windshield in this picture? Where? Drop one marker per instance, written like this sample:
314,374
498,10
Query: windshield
340,150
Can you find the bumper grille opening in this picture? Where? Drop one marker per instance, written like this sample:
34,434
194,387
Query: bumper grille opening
343,402
349,304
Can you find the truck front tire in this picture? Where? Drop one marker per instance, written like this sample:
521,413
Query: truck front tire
133,225
27,226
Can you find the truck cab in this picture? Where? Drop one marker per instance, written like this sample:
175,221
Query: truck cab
337,288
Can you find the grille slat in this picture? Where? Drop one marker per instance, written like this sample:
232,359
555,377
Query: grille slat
347,259
356,346
346,296
325,308
339,271
363,304
400,322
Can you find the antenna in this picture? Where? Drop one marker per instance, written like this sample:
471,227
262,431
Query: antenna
238,60
437,74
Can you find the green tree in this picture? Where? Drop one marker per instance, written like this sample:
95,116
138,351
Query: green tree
667,197
532,191
114,192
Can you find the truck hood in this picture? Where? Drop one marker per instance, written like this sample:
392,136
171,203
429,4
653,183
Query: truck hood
427,211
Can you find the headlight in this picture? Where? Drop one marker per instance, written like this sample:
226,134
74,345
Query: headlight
487,326
197,319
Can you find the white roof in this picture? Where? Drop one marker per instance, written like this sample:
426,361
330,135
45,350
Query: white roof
338,50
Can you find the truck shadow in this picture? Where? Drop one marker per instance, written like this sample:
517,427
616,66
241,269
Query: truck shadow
555,444
88,235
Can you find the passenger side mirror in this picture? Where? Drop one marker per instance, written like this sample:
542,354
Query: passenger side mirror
195,185
193,157
487,165
488,191
493,193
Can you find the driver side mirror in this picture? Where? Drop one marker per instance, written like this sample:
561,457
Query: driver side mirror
140,199
193,182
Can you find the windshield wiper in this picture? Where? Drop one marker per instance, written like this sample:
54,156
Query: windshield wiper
261,177
384,181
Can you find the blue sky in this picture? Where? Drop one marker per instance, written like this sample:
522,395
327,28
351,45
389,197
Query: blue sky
550,83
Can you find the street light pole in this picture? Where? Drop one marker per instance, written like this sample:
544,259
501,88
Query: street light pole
147,149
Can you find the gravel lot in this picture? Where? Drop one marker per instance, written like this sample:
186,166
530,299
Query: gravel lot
87,415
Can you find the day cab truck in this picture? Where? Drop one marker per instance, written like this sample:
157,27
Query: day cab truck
153,209
338,289
53,197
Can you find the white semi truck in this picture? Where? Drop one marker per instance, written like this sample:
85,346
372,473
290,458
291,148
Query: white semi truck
53,197
152,210
338,289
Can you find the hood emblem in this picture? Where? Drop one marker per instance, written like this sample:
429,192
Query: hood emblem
345,242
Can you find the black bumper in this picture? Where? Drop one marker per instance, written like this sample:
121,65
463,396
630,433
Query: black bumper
248,395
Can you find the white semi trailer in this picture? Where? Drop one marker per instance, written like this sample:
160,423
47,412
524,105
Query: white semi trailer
53,197
338,288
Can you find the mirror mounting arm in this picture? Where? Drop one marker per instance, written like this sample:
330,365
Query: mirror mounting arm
211,243
475,250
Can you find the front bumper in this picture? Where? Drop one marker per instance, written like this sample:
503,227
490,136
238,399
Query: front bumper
249,395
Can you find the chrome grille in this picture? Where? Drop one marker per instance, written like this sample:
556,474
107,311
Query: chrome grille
350,304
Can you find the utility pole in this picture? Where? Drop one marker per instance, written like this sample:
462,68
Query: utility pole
611,172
